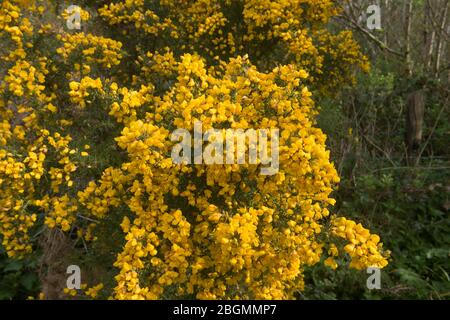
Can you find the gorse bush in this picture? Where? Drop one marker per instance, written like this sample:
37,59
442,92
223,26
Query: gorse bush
86,123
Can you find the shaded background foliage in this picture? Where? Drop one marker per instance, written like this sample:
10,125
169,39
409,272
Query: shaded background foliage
401,194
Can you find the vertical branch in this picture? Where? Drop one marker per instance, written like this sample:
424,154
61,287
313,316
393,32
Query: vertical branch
407,45
442,23
429,36
386,9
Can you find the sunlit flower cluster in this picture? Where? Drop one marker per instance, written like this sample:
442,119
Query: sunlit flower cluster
91,49
264,29
364,248
79,92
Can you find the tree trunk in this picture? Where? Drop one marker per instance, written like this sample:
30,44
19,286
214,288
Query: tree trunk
415,107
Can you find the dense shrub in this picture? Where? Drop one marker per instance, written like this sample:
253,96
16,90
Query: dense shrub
86,118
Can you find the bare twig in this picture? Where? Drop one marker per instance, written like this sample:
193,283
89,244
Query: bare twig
431,133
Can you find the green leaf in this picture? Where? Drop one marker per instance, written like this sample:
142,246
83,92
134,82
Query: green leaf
14,265
28,281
